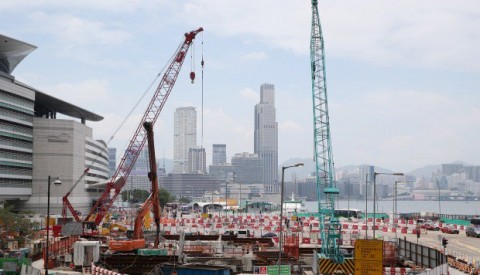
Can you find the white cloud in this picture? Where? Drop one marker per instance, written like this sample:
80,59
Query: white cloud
432,34
85,93
77,31
405,129
250,95
254,56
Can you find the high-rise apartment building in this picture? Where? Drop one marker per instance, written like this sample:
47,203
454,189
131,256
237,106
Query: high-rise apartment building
185,137
219,154
266,137
365,178
197,163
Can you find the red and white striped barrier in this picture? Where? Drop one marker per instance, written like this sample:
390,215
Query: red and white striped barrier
102,271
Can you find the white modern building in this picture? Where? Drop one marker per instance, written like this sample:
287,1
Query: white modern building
266,137
185,137
34,144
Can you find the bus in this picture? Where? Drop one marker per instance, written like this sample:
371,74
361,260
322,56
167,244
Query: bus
348,213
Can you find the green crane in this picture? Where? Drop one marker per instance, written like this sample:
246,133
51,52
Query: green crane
330,228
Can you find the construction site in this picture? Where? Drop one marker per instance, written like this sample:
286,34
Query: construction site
146,239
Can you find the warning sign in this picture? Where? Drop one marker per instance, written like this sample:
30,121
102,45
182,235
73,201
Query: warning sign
369,257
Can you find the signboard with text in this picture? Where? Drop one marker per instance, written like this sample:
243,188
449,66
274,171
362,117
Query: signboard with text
368,257
272,270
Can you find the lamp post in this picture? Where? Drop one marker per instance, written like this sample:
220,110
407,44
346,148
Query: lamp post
395,199
375,194
439,205
366,206
281,213
56,181
348,195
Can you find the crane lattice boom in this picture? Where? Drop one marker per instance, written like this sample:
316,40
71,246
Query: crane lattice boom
326,190
99,210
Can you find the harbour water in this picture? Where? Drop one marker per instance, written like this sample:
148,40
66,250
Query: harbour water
385,206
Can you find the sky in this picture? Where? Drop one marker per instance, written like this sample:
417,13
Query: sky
402,76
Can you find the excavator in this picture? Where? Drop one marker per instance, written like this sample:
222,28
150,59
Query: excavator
152,201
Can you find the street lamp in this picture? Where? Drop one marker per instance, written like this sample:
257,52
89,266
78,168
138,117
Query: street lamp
366,206
348,195
56,181
439,205
375,194
281,213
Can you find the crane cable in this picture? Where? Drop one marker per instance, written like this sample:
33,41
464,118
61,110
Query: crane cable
202,63
94,161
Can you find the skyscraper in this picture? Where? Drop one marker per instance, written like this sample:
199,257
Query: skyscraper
197,160
219,154
185,137
266,137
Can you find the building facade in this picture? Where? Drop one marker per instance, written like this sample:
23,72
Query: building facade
112,161
248,168
266,137
219,154
35,145
185,137
189,185
197,160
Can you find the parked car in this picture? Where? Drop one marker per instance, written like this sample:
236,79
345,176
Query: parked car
430,226
473,231
450,229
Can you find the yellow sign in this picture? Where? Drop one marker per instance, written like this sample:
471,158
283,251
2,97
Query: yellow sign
368,257
368,268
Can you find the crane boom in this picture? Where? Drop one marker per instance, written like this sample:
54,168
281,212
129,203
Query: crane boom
99,210
66,202
154,179
326,189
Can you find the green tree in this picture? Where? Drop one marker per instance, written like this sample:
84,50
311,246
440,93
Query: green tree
136,195
184,200
165,197
16,226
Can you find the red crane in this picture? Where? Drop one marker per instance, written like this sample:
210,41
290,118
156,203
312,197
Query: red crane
66,202
138,240
114,186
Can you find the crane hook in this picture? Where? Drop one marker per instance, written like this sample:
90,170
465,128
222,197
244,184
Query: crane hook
192,77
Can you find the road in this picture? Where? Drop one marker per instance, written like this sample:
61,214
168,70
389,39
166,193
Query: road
459,245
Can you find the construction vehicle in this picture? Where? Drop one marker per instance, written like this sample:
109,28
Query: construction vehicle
330,228
152,201
107,228
116,183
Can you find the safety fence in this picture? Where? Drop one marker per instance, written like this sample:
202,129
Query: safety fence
421,255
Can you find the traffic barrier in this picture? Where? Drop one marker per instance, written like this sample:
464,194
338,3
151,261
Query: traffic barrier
396,270
101,271
306,240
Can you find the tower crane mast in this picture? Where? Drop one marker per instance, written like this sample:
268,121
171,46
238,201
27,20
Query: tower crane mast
330,229
116,183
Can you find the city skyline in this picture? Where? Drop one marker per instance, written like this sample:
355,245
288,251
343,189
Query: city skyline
402,91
